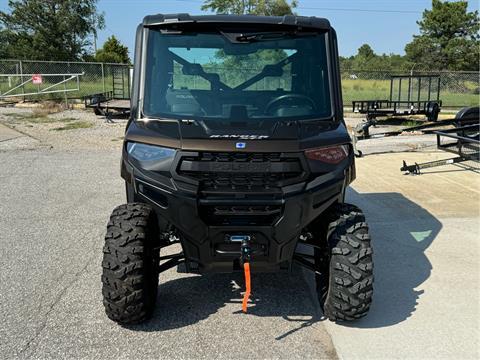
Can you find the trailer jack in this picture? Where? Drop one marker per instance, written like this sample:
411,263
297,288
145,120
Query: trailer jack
463,141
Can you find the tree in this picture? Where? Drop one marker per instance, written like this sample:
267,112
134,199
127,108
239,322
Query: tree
113,51
366,59
3,40
448,39
49,29
366,52
254,7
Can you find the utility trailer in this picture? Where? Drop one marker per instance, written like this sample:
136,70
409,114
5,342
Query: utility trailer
409,95
463,141
115,102
105,104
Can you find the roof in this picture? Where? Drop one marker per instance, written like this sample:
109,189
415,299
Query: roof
291,20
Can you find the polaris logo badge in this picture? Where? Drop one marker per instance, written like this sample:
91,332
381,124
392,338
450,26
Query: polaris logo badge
240,145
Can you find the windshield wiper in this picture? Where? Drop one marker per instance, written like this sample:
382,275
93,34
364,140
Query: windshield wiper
267,36
315,120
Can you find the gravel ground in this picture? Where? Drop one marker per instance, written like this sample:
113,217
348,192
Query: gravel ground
96,134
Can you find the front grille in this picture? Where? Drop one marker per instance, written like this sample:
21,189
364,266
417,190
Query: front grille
241,189
241,172
248,183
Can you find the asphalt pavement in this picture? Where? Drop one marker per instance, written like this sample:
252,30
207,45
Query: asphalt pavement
53,210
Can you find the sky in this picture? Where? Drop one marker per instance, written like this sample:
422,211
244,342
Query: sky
387,25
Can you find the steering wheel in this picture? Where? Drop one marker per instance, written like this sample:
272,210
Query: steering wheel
289,99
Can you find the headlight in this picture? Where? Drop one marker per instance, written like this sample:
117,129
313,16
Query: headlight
329,155
149,157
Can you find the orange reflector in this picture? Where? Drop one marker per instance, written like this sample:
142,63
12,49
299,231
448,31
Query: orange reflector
246,296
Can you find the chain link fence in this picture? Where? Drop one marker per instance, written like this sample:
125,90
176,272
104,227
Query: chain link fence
95,78
457,89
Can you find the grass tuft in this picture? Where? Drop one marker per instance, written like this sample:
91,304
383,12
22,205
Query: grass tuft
74,126
30,118
411,123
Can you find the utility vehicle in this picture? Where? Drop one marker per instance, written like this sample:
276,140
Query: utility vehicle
237,149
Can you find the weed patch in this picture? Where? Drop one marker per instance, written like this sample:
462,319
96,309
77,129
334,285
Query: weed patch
74,125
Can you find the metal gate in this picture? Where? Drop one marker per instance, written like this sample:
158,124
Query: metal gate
22,85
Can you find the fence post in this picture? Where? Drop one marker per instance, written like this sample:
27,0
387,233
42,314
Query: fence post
21,78
65,92
128,82
103,79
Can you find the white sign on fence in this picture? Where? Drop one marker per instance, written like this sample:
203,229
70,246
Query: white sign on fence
37,79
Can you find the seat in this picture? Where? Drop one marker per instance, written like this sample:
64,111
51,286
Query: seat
181,101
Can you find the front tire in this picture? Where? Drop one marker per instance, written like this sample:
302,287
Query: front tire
130,264
344,261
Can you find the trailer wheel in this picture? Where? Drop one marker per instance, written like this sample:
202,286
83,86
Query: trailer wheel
130,264
344,264
433,109
97,111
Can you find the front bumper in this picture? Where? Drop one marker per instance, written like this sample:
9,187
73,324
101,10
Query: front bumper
207,246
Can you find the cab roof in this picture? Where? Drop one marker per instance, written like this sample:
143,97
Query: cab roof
311,22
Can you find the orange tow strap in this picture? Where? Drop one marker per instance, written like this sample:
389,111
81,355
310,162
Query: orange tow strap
246,296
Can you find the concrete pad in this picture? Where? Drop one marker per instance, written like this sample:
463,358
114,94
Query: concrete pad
395,144
446,191
7,133
11,139
425,232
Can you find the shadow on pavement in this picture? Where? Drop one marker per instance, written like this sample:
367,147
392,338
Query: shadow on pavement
188,300
401,231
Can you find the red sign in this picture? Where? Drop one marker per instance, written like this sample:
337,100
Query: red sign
37,79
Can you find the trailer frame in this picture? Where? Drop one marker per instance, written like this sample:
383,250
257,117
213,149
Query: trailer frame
106,104
399,105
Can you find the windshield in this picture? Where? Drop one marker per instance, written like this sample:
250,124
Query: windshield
220,76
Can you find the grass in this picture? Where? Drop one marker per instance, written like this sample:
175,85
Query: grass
38,119
14,115
74,126
31,118
40,115
411,123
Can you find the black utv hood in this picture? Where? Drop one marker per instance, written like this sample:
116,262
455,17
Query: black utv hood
196,135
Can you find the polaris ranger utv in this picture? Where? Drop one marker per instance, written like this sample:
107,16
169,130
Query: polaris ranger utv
237,149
